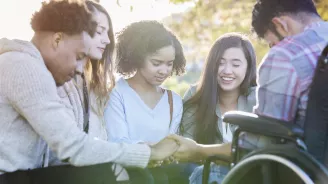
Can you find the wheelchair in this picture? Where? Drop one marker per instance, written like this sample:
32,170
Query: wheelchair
298,156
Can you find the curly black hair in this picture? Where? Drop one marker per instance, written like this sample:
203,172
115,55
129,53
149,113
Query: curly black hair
265,10
140,39
67,16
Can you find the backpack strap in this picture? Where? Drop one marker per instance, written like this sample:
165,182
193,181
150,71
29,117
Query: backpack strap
85,103
170,100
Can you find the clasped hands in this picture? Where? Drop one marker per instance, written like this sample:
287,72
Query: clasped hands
174,148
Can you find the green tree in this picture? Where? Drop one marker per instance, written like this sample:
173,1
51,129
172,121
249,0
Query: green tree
199,27
209,19
176,86
322,6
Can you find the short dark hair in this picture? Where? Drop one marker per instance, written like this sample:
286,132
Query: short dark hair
140,39
67,16
265,10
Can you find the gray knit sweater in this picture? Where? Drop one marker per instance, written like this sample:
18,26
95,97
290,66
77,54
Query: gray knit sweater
32,116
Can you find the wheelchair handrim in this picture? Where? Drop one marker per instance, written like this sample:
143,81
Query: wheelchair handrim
267,157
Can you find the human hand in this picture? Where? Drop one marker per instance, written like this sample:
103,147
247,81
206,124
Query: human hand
163,149
154,163
188,150
170,159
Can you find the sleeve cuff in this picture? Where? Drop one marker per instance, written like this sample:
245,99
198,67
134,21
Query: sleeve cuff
136,155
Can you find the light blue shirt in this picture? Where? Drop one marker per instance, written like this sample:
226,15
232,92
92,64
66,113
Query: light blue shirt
130,120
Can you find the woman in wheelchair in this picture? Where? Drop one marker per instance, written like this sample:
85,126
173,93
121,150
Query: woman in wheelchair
227,84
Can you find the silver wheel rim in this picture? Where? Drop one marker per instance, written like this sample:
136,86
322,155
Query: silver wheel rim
275,158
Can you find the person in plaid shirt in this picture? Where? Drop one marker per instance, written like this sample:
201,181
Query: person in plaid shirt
297,36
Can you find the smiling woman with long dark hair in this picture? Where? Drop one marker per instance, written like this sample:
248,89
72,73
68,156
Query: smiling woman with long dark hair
228,83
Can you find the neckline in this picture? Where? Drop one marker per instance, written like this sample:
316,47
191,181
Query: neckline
142,101
240,106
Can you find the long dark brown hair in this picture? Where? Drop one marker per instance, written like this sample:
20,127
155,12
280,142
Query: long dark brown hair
99,73
206,96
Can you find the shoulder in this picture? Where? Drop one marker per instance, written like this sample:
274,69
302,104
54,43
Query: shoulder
192,89
277,55
175,95
278,63
251,97
120,87
292,50
190,92
20,60
120,83
177,100
22,66
248,101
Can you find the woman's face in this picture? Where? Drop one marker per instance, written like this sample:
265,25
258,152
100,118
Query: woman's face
158,66
100,39
232,69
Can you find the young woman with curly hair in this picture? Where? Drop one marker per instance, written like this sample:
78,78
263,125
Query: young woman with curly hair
139,109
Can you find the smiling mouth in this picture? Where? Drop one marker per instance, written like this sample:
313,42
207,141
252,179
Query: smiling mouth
102,49
227,78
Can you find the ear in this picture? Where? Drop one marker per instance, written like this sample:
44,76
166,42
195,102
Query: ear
57,39
281,25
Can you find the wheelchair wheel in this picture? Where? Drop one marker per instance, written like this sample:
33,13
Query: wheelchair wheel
278,164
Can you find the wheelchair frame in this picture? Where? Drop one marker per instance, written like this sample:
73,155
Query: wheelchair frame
283,131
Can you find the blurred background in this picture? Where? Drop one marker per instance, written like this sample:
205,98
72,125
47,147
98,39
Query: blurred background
198,23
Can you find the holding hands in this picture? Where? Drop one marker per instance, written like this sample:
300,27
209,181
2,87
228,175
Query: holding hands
163,149
188,150
174,148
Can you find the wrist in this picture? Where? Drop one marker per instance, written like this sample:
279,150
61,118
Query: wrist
199,150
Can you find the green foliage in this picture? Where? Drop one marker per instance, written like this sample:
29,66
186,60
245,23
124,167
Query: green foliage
199,27
209,19
322,6
180,1
178,87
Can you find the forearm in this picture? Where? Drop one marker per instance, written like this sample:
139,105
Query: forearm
73,145
215,149
32,91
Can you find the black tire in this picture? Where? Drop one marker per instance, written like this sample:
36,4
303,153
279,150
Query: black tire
252,172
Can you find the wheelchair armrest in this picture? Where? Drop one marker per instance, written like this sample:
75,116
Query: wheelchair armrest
263,125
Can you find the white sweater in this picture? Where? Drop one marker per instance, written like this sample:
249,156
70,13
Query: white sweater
32,115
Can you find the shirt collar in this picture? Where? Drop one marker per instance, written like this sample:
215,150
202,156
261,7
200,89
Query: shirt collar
314,25
241,104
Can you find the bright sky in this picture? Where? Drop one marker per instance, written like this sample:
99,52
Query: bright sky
15,14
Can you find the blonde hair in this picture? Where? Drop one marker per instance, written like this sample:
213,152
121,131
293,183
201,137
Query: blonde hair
99,73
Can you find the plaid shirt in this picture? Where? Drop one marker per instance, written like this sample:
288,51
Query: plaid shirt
286,73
